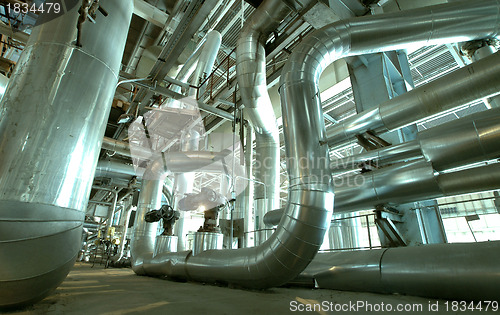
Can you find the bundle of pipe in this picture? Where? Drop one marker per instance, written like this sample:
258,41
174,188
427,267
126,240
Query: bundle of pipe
464,141
470,139
403,183
478,80
309,209
251,75
53,118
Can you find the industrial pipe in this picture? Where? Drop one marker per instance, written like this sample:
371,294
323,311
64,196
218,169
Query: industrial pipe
206,61
478,80
403,183
54,115
113,168
467,271
470,139
251,76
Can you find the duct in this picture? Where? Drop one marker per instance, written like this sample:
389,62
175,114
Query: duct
470,139
251,76
475,81
50,129
449,271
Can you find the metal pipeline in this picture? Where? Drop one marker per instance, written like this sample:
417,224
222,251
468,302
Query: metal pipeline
478,80
113,169
470,139
449,271
403,183
190,140
206,61
50,129
412,181
309,209
251,76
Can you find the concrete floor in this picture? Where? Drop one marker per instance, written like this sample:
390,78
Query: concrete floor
119,291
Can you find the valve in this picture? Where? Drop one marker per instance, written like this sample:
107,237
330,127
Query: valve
168,216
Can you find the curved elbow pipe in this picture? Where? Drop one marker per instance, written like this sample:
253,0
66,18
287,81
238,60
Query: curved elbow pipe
54,115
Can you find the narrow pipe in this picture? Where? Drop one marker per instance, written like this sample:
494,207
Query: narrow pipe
112,168
251,76
54,115
478,80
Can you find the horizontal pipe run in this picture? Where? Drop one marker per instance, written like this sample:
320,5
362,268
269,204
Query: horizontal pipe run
403,183
467,140
467,271
478,80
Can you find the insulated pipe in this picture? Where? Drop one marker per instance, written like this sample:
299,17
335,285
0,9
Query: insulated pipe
54,114
123,148
123,238
111,213
191,138
457,271
244,199
478,80
298,236
206,61
251,76
470,139
403,183
112,168
412,181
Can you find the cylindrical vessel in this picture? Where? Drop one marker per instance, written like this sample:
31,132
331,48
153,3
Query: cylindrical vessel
204,241
165,244
53,117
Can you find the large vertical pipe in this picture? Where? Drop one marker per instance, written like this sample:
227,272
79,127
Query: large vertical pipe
145,233
251,75
191,138
53,117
